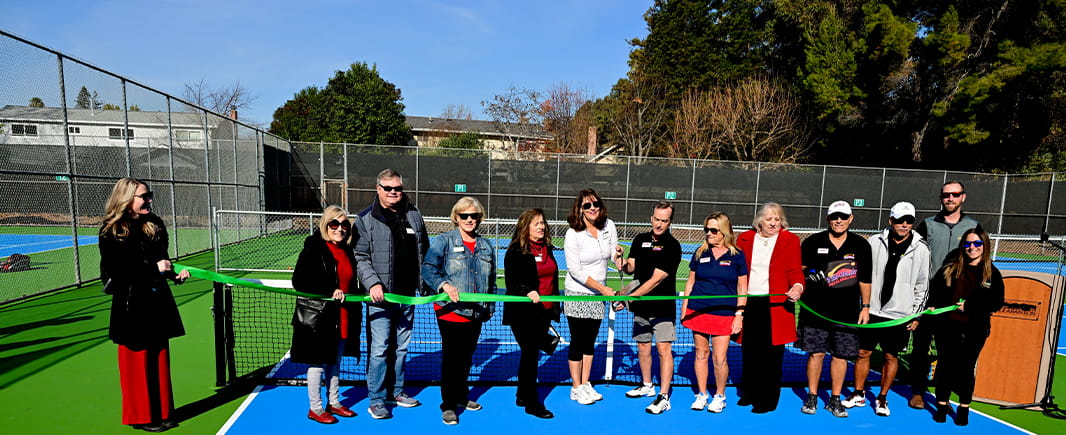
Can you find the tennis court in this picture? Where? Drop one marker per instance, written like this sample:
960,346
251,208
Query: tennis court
34,243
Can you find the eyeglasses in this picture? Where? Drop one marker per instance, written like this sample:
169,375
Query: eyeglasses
465,216
839,216
712,231
946,195
398,189
147,196
588,205
909,220
974,244
334,224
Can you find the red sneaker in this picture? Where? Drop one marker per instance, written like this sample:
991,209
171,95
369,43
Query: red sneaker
324,418
340,410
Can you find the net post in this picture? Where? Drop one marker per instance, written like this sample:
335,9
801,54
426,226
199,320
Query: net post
231,360
218,316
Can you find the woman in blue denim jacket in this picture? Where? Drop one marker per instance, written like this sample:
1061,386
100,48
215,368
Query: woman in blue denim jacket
460,261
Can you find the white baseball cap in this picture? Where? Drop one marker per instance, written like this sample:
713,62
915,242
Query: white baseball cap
901,209
839,207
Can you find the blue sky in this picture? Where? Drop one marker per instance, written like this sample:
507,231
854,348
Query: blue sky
437,52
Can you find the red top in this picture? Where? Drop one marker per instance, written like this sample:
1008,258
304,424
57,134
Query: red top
344,277
547,271
786,270
451,316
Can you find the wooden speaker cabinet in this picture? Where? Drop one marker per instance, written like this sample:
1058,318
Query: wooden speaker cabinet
1016,361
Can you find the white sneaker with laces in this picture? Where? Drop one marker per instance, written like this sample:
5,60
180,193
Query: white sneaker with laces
700,402
857,398
881,407
717,403
660,404
578,394
591,392
646,390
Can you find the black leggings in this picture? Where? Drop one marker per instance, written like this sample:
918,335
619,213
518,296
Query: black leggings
958,345
582,337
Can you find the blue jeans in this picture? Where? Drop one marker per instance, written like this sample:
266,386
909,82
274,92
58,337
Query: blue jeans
388,332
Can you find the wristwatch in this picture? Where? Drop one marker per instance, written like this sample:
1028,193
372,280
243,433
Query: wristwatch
865,305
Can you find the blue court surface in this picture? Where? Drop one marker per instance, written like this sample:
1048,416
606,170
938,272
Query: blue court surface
32,243
284,410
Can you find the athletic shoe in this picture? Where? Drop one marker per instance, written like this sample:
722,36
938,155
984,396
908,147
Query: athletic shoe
472,405
579,395
403,400
646,390
700,402
717,404
449,417
660,404
835,407
881,407
810,404
592,393
857,398
379,412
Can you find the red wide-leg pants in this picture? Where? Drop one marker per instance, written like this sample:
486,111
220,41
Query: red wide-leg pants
147,396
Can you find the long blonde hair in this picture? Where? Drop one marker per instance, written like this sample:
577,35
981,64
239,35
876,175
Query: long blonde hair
726,227
117,213
954,266
328,215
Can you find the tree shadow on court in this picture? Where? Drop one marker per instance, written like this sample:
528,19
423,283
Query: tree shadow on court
16,368
13,329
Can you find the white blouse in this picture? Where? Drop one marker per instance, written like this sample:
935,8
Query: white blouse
759,273
588,256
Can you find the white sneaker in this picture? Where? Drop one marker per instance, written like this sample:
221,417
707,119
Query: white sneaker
700,402
646,390
579,395
856,399
881,407
660,404
591,392
717,404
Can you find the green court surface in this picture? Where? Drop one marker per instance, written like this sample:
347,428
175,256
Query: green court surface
58,370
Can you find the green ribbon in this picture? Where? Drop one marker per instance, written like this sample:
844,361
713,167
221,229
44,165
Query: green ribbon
480,297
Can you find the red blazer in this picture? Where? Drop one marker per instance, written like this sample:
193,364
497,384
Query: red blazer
786,270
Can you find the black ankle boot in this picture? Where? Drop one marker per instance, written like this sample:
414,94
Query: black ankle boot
941,413
962,416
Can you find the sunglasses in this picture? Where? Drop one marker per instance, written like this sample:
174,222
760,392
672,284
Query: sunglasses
946,195
974,244
839,216
588,205
334,224
713,231
909,220
391,188
147,196
465,216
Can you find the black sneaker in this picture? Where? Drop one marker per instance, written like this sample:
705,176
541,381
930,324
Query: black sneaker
836,407
810,404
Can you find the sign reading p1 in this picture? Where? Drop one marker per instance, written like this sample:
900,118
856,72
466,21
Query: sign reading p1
670,195
460,188
858,202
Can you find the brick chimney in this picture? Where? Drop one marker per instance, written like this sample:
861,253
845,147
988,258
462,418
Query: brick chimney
592,141
233,114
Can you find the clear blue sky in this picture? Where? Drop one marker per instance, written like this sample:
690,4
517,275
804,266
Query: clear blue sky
437,52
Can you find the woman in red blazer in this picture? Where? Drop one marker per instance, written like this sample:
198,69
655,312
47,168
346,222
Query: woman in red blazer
773,256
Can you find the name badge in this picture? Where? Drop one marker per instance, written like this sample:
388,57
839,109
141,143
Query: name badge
457,249
410,231
645,245
705,260
823,250
725,263
539,258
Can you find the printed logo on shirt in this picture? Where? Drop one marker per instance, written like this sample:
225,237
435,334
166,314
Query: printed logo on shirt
843,273
823,250
849,256
725,263
656,248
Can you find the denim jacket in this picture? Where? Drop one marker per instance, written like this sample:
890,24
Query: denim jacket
449,261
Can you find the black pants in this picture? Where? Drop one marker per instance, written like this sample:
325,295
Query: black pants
958,346
457,341
760,380
582,337
529,335
919,358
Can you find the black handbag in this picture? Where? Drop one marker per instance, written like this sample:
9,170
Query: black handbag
308,311
550,341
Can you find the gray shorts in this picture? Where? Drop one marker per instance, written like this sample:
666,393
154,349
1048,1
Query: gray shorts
660,328
839,342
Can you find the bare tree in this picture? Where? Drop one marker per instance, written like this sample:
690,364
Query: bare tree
757,120
691,130
638,119
221,100
457,111
558,110
515,113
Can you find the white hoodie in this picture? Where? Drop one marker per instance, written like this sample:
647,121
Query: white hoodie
912,277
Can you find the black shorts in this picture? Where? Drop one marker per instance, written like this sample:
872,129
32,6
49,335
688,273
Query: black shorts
893,340
840,342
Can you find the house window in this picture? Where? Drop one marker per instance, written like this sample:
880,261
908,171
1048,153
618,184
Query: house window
74,130
116,133
188,135
23,130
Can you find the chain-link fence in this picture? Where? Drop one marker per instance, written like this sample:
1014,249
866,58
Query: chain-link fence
509,182
69,129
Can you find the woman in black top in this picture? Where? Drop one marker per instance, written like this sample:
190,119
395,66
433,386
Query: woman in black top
144,316
969,280
530,270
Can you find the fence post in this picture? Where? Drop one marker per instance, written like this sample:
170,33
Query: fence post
126,129
692,194
173,187
1050,195
72,199
1002,204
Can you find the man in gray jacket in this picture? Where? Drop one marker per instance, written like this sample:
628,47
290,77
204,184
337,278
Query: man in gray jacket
899,286
391,244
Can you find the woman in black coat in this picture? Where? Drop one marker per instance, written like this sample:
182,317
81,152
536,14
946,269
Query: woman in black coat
530,270
967,276
325,330
144,316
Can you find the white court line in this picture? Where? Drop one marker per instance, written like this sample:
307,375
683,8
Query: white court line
248,401
997,420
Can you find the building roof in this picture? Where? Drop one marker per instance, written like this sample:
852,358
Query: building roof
485,128
89,116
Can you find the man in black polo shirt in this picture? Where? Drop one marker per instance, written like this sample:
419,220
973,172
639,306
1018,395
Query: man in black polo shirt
838,266
653,260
